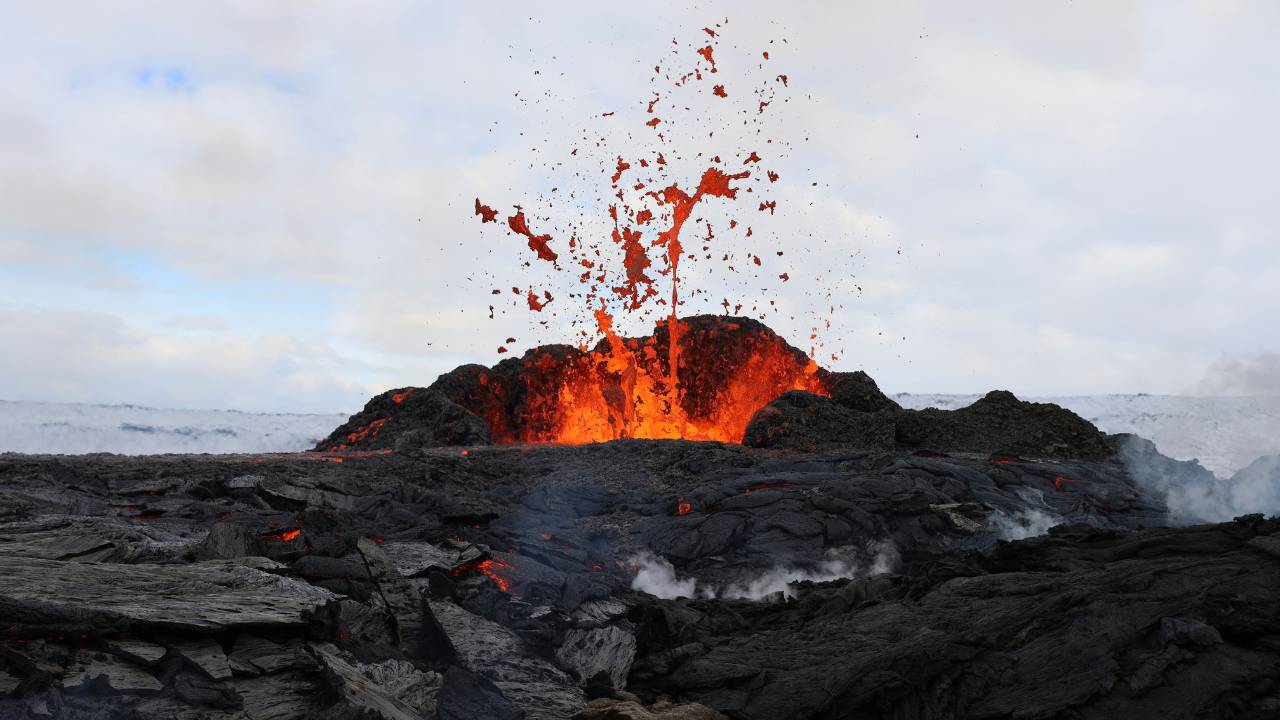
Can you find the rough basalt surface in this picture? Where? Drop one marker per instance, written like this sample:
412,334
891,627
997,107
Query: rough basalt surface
518,398
850,559
857,415
1000,422
1082,623
803,421
509,582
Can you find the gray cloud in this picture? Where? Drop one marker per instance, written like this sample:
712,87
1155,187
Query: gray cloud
66,355
1059,198
1254,376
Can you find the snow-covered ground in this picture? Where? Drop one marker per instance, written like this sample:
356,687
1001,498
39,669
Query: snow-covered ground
1225,434
70,428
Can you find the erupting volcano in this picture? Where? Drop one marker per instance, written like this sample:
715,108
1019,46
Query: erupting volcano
622,388
700,378
643,511
625,387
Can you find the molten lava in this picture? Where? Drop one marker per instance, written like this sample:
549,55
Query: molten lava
282,535
1060,482
725,370
492,569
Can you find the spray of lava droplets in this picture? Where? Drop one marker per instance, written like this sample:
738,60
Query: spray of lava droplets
614,271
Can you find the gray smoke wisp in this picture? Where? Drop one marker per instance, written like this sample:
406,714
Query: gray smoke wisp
1023,524
1195,495
657,576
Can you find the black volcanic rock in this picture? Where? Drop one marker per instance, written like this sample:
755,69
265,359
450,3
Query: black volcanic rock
858,415
405,419
517,400
1000,422
608,709
803,421
1050,627
638,579
857,391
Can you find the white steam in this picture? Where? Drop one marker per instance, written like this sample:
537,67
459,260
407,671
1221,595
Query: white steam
1194,494
1256,488
1023,524
656,576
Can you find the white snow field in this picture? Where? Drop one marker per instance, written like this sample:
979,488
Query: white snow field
73,429
1225,434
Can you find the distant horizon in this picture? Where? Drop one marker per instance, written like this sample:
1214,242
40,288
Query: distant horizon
892,394
1224,433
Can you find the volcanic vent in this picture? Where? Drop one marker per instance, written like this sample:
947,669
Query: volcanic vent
727,368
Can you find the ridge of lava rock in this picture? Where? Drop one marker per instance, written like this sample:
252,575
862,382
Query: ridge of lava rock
730,366
725,360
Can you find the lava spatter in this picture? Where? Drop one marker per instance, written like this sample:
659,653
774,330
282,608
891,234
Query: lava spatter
486,213
708,53
537,243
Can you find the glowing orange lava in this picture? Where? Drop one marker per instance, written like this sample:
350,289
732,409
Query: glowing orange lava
492,569
623,388
1059,482
537,243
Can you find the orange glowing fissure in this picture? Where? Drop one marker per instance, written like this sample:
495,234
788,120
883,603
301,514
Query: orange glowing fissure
1060,482
627,388
492,569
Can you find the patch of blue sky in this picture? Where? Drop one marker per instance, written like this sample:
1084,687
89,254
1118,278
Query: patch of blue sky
143,286
284,84
167,78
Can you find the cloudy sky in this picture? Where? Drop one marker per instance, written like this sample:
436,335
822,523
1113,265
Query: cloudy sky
267,205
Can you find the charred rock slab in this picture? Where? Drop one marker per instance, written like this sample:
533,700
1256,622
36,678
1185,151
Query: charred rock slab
67,598
536,686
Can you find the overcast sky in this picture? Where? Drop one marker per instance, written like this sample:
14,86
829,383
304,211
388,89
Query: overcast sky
267,205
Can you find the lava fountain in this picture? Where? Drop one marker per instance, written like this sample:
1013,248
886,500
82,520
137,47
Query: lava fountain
700,378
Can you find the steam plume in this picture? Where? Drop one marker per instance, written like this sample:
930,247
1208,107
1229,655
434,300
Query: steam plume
656,576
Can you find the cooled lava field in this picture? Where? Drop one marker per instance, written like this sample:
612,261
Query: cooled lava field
449,553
